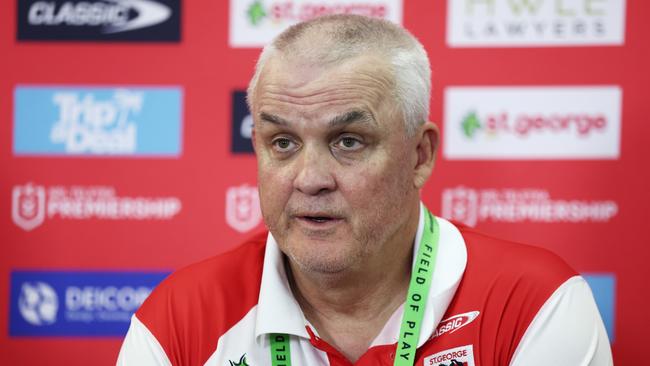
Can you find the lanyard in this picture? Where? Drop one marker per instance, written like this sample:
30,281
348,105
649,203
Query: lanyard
418,292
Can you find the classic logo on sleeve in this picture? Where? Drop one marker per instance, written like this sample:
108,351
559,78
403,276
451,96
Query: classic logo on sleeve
452,324
459,356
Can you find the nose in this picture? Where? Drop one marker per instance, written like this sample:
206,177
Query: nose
315,174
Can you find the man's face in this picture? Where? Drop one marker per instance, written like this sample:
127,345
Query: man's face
335,166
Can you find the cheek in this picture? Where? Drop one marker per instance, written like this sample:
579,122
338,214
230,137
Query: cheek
373,184
274,190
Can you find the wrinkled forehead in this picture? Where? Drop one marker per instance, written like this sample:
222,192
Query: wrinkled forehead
302,76
282,71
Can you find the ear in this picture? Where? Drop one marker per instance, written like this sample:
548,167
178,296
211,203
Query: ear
427,139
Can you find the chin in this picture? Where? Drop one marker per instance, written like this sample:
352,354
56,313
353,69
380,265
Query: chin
322,267
323,260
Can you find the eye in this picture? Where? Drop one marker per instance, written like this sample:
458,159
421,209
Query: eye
283,144
349,143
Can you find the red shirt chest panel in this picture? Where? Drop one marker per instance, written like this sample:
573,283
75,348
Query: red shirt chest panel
503,287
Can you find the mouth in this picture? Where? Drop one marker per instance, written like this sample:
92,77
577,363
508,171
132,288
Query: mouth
319,220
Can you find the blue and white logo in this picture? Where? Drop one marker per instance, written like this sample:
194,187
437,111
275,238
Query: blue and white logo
49,303
97,121
38,303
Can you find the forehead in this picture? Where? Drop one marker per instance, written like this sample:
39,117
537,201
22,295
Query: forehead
365,81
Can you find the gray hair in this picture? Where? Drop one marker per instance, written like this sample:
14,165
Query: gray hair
341,37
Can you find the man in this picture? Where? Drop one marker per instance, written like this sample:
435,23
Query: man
340,105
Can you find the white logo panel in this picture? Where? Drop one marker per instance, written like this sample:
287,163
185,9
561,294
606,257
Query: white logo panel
533,123
459,356
254,23
532,23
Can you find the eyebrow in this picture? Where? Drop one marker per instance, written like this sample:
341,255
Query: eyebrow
351,117
347,118
272,118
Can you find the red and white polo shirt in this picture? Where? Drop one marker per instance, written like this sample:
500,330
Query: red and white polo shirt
491,303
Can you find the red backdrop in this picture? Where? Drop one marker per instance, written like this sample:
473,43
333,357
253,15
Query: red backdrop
209,70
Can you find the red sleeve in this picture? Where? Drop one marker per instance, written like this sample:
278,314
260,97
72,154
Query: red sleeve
512,281
193,307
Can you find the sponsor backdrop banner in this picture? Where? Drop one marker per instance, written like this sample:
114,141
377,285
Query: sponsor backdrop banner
494,23
532,123
49,303
97,121
99,20
125,149
255,23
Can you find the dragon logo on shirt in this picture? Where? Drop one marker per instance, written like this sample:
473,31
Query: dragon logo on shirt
242,361
454,363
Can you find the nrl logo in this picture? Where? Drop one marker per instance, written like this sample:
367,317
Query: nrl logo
460,204
242,361
243,208
28,206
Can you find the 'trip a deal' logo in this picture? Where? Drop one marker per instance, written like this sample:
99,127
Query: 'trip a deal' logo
98,126
97,121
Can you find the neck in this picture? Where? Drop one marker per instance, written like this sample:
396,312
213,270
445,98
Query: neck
350,308
359,296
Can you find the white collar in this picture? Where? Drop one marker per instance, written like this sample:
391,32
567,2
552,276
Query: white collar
279,312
